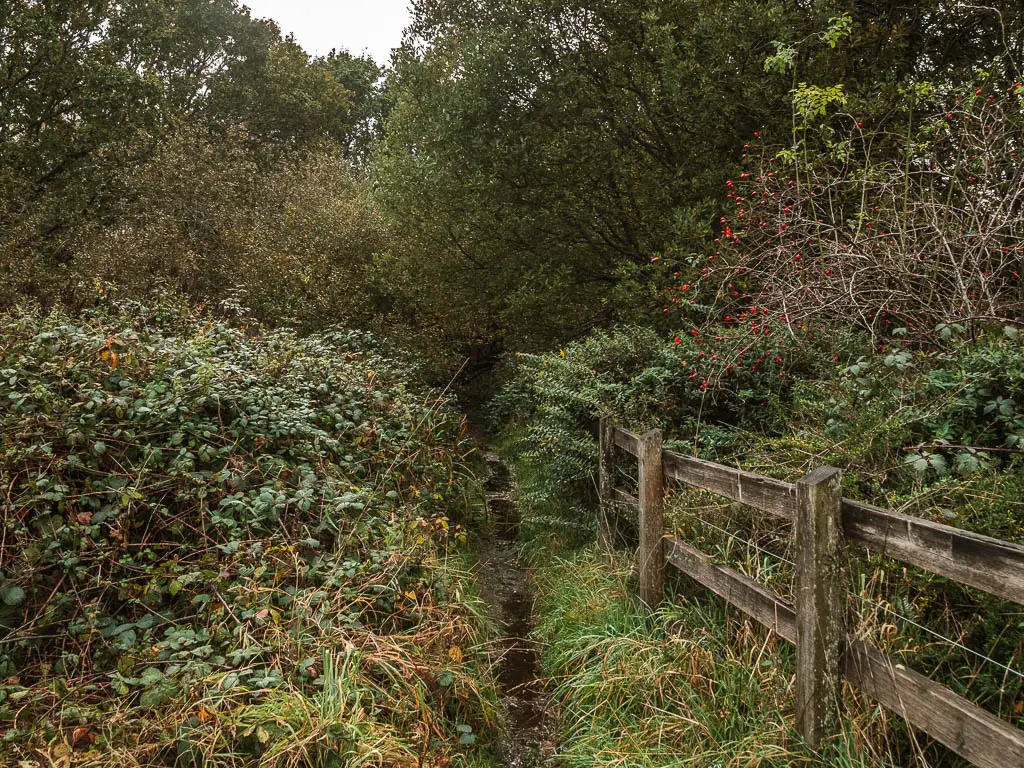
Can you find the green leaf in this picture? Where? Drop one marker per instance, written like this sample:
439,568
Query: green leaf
12,594
158,695
151,676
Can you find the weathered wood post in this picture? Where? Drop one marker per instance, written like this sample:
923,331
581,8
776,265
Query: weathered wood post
651,554
820,604
608,531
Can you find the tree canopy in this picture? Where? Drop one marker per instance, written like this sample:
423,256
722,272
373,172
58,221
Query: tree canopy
539,154
91,92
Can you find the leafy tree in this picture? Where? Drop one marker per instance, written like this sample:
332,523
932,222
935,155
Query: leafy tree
91,92
291,240
280,97
539,153
363,78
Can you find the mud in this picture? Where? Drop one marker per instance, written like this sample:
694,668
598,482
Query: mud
506,587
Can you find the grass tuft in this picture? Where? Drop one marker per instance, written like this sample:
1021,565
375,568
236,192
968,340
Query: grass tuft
692,684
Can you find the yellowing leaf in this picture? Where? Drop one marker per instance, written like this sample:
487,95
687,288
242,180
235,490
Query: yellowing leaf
455,654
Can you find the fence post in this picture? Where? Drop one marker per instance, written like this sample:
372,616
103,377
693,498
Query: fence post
820,604
607,532
651,555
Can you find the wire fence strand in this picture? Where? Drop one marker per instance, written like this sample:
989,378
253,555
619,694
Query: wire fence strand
877,605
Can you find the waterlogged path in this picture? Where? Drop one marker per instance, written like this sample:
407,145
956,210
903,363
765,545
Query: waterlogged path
506,587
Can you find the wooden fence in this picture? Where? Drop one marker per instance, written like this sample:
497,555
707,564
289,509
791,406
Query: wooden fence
822,522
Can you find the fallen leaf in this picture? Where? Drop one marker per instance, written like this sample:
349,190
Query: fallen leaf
59,756
82,738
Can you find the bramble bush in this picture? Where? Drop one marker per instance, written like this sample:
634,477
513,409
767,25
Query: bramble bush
897,223
225,542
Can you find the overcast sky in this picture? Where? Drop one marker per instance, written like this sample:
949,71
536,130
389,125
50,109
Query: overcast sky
373,26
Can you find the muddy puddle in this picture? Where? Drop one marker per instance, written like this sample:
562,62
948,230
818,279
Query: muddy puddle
506,587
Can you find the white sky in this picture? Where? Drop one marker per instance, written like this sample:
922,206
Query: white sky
371,26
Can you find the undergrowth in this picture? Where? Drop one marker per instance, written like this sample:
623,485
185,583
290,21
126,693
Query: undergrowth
232,548
687,685
935,434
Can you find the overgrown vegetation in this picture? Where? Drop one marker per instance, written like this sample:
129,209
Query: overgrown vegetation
183,143
230,547
687,685
786,234
933,434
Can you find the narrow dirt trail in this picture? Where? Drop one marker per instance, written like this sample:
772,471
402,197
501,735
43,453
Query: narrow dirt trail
506,587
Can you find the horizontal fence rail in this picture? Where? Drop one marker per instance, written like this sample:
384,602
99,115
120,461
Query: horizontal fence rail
989,564
822,519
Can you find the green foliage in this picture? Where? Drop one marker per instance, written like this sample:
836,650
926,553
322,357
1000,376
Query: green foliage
892,417
290,240
700,388
907,420
538,153
811,101
691,685
226,542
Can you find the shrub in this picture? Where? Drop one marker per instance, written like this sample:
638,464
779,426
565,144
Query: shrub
702,388
898,224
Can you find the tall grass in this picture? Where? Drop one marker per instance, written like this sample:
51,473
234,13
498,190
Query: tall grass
692,684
